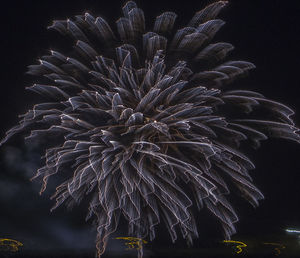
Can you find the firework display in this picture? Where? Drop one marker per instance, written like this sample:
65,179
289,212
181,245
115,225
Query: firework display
143,124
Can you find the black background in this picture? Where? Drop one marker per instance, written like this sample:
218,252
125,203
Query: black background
264,32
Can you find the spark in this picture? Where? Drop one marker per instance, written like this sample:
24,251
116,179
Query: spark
133,241
277,249
11,244
239,245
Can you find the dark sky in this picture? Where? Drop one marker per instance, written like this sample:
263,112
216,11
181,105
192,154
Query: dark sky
264,32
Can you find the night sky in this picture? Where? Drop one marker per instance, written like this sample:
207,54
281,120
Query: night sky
264,32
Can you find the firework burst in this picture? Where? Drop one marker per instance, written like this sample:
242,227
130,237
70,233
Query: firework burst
143,115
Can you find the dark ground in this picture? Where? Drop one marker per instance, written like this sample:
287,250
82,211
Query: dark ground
264,32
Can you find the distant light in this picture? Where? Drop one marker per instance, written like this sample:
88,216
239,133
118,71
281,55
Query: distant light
293,231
